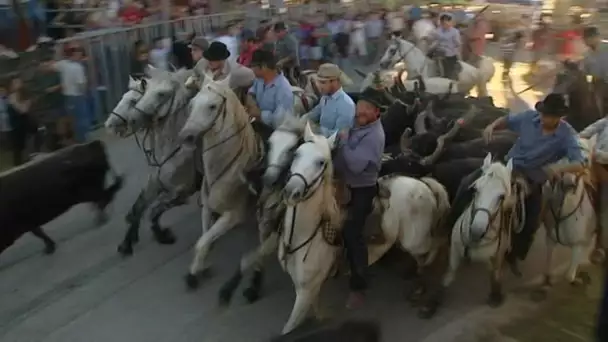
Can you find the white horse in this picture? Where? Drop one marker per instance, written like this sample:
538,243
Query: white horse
412,208
432,85
418,64
421,31
570,220
230,148
483,230
158,106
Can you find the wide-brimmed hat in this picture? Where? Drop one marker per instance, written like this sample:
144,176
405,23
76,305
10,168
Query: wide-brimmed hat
373,96
217,51
329,71
200,43
554,105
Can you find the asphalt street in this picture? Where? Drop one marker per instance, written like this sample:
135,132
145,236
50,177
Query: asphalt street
86,292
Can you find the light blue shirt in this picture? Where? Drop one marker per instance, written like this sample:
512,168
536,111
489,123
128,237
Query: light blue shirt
534,150
274,99
374,28
334,113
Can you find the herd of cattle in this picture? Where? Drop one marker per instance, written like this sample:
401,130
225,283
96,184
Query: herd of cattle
427,135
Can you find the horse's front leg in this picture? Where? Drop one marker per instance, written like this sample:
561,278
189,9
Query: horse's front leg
434,288
224,223
134,216
576,259
541,293
497,296
163,203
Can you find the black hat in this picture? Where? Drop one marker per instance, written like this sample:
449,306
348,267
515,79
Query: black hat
217,51
553,105
372,96
263,57
590,31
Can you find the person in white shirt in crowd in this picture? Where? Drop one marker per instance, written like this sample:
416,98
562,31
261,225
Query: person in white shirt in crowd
396,22
374,28
228,38
159,55
358,44
197,47
74,87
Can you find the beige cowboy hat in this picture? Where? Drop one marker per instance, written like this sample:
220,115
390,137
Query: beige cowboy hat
330,71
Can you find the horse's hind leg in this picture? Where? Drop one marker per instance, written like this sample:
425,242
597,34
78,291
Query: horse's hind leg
49,244
267,248
434,288
577,257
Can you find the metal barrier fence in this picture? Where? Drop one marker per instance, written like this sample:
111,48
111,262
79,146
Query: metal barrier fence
109,51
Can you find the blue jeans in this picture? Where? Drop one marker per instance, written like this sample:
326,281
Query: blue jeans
78,108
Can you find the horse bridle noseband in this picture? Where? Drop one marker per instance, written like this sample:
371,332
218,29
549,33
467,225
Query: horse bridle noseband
308,187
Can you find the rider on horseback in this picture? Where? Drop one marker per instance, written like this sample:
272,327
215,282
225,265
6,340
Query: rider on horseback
336,110
595,65
270,97
544,139
357,163
286,51
446,46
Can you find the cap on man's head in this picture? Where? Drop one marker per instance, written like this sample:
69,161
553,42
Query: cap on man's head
590,32
445,17
200,43
265,58
329,71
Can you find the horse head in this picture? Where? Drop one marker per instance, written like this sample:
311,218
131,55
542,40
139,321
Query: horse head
311,167
393,53
159,99
118,121
282,145
208,107
491,189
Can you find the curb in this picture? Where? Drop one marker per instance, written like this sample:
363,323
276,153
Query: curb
469,326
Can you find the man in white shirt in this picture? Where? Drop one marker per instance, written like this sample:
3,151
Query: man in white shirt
159,55
74,87
231,43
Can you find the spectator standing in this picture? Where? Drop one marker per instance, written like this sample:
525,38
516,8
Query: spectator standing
358,44
286,50
5,125
476,41
307,40
251,45
159,55
139,61
374,28
540,38
182,56
18,108
74,86
50,105
133,13
321,51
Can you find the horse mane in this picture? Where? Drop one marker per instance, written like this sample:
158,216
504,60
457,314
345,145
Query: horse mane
499,170
292,124
240,118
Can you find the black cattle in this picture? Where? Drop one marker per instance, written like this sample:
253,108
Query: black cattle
426,145
38,192
448,173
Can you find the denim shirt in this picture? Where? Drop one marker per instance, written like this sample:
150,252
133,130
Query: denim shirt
448,41
534,150
334,113
274,99
600,128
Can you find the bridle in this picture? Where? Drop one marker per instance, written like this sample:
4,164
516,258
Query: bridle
313,185
556,212
291,150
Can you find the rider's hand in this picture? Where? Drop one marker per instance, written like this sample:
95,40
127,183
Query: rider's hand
487,133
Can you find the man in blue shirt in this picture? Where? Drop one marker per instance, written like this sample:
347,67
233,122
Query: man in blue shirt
270,91
336,110
544,139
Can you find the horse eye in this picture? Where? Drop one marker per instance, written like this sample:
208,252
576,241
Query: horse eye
213,107
321,163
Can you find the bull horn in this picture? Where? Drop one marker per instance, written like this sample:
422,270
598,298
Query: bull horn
360,73
429,160
392,99
430,113
422,84
420,123
404,142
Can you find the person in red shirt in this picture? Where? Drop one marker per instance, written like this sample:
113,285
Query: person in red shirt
133,13
567,41
251,45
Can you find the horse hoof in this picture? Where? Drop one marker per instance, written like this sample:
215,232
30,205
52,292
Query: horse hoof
50,248
427,311
582,279
164,236
496,300
251,295
191,281
598,256
225,297
538,295
125,249
415,296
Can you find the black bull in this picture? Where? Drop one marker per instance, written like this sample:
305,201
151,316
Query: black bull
40,191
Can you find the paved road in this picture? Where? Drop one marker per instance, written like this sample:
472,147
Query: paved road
87,293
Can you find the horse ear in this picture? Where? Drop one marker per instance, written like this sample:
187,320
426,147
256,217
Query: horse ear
487,161
132,83
308,134
510,165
